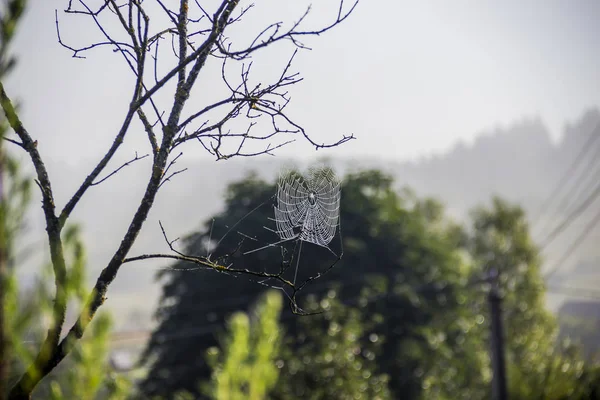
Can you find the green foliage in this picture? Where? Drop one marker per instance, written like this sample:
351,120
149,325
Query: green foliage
584,329
85,373
416,250
11,12
404,243
245,367
199,299
538,365
14,204
12,210
328,359
501,240
406,279
558,375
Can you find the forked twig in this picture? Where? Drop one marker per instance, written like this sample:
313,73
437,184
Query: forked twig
125,164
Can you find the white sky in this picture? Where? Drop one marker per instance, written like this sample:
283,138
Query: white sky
406,77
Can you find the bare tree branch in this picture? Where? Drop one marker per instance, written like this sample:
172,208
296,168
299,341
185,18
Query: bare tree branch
261,107
125,164
182,24
169,176
120,136
49,346
206,262
291,34
97,296
14,142
120,46
149,130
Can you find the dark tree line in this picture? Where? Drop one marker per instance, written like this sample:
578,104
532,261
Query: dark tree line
414,275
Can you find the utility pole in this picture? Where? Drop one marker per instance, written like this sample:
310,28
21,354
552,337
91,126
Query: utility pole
499,387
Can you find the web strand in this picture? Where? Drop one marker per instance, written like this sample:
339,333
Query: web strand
297,263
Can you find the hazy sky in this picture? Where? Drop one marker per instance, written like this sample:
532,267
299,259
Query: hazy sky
406,77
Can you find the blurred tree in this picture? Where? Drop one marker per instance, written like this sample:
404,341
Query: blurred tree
539,366
197,302
415,251
328,360
10,213
415,278
403,244
244,367
16,194
86,373
501,240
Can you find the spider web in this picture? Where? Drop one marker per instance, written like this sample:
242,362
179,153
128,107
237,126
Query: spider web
308,209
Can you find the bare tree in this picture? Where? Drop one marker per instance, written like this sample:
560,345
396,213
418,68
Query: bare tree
249,120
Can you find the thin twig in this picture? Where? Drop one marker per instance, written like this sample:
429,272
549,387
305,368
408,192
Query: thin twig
168,178
125,164
14,142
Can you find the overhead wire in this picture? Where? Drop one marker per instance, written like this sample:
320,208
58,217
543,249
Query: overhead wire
587,146
586,231
582,206
572,193
585,182
569,219
575,292
571,203
573,196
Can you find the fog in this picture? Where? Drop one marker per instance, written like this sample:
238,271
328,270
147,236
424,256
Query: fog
502,91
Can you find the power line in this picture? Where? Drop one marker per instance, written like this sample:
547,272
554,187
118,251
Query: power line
576,292
573,196
593,173
577,211
571,217
587,230
564,179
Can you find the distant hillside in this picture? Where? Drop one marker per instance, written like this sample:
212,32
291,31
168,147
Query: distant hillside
518,162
